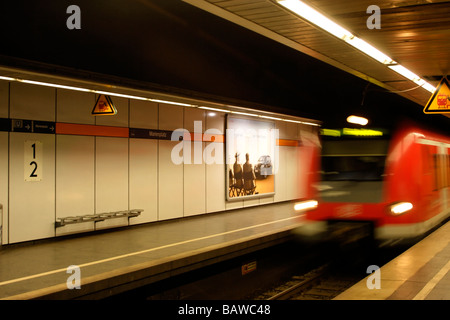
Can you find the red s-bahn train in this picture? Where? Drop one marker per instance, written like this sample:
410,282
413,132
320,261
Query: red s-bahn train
398,183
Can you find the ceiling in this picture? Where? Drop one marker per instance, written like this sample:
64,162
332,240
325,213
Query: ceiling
414,33
247,53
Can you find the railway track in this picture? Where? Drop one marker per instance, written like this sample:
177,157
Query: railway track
321,283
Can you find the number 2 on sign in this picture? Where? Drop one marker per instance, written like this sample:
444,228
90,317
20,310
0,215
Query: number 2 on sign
33,161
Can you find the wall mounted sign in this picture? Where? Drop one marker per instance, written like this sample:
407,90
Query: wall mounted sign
440,100
33,160
104,106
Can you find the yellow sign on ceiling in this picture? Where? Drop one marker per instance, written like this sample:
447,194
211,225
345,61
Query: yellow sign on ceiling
440,100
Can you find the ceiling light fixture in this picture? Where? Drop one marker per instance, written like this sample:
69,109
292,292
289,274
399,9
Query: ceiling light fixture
317,18
357,120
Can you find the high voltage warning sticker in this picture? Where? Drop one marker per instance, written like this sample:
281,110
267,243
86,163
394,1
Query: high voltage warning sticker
104,106
440,100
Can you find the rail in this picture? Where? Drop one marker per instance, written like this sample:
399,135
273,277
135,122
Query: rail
60,222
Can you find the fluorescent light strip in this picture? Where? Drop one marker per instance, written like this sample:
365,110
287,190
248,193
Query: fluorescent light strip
315,17
271,118
413,77
46,84
244,114
6,78
215,109
172,102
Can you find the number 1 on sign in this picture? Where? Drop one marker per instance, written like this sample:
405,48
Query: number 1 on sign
33,160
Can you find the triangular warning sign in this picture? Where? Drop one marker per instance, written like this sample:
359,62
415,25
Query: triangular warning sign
104,106
440,100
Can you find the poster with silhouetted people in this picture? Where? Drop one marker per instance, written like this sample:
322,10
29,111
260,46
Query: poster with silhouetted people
251,155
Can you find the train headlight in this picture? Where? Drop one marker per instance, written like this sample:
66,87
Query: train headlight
400,208
306,205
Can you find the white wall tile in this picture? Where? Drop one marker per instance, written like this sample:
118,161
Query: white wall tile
170,117
111,174
32,203
143,114
143,191
75,163
170,183
4,97
4,185
32,102
74,107
192,115
291,177
234,204
194,180
215,188
280,177
215,173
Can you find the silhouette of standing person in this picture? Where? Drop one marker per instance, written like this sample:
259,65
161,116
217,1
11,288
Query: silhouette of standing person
249,176
238,174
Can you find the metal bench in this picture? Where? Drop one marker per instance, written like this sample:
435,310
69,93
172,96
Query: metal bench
60,222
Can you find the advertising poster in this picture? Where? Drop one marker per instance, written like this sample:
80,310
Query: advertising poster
251,155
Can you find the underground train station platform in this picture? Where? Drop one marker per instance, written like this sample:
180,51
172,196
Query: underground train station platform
118,260
420,273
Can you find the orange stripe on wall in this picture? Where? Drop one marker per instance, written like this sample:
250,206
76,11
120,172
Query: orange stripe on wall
91,130
204,137
288,143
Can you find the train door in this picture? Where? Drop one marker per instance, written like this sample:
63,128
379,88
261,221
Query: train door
442,149
441,176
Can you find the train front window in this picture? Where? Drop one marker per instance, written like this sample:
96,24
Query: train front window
353,170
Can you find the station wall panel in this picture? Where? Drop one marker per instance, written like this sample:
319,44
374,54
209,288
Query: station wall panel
235,204
291,177
143,114
191,115
170,175
251,202
28,101
267,200
74,106
32,203
194,178
118,120
75,160
215,172
280,176
170,117
4,98
4,185
170,183
215,185
143,190
111,175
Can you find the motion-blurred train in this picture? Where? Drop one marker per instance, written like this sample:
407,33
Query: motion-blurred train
398,184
